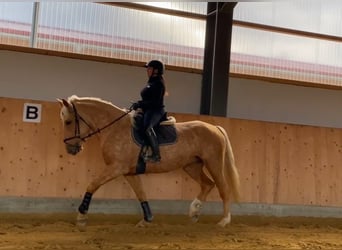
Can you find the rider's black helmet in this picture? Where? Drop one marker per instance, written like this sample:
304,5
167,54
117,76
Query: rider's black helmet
155,64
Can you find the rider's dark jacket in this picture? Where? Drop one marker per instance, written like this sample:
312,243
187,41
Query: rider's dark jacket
152,102
152,94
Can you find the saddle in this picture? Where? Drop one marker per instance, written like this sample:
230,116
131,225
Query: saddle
165,131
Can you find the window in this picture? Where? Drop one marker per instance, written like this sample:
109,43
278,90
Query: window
15,23
314,57
266,45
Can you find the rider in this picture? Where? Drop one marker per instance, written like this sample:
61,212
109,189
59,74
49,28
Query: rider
152,104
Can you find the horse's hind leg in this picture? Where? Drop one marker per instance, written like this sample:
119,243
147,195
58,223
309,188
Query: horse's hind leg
195,171
223,188
226,210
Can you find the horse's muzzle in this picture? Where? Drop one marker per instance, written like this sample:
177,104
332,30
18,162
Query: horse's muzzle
73,149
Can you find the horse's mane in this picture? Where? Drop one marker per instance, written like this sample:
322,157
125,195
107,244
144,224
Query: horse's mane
91,100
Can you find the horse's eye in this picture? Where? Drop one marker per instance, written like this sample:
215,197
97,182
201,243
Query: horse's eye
67,122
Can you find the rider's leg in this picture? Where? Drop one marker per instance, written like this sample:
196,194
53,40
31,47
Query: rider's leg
151,119
152,139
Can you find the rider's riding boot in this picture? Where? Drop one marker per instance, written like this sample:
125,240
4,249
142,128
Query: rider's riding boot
152,140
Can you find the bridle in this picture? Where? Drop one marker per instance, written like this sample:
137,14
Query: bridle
79,118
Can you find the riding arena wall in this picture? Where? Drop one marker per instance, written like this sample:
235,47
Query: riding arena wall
288,151
278,163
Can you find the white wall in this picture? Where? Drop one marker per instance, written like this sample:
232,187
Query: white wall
259,100
39,77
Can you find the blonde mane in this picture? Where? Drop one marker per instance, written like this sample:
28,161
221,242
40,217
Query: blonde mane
92,100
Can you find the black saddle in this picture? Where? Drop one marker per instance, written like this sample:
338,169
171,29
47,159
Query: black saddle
166,134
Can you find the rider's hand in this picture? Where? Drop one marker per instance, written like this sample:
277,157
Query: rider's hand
135,105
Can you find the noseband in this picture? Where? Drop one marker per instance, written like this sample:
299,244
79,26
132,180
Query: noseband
79,118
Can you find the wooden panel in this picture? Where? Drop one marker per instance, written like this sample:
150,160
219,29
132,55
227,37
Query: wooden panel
278,163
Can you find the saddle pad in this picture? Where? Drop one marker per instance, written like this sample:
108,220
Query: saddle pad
166,135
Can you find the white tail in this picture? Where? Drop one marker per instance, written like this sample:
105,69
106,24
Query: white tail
231,172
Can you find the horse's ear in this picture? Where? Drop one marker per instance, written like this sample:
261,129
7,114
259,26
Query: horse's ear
63,102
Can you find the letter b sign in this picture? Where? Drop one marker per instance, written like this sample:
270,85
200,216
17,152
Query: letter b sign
32,112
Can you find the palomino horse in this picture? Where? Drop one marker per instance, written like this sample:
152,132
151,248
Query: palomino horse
199,145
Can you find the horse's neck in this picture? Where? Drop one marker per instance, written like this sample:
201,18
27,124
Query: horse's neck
99,114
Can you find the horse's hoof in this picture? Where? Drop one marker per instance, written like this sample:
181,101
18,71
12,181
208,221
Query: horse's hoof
143,223
195,210
81,227
195,218
81,222
224,221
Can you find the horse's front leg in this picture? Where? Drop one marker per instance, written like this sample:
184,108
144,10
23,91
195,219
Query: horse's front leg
136,184
100,180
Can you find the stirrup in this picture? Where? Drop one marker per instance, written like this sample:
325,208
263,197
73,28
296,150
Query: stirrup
152,158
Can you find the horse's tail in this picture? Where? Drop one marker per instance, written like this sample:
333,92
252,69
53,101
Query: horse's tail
230,170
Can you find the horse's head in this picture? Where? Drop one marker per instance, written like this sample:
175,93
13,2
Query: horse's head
82,117
75,128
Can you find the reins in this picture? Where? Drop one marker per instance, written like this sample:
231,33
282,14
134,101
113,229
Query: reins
106,126
77,125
